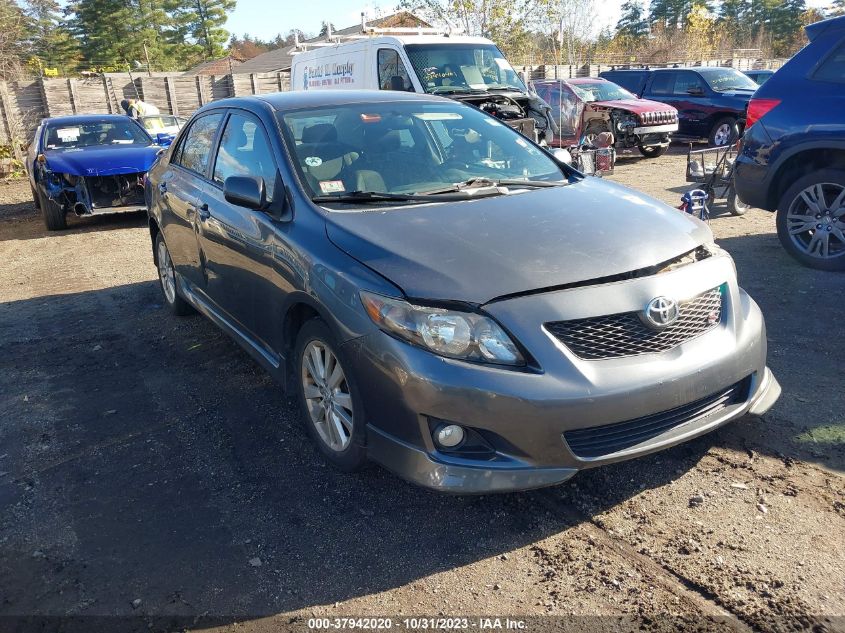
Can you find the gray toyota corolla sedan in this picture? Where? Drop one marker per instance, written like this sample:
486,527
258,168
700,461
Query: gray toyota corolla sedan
446,298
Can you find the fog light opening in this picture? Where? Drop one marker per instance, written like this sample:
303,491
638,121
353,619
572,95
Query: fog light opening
449,436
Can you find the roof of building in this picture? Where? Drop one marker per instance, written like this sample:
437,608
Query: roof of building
280,59
219,66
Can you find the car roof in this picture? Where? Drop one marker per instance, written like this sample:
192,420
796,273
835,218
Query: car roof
76,119
297,99
587,80
704,70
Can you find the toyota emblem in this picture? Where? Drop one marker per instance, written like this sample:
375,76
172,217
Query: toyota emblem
660,313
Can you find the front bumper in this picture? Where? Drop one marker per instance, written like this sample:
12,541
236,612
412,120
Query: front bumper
524,414
656,129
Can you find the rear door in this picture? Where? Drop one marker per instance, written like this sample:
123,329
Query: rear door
179,189
237,243
674,87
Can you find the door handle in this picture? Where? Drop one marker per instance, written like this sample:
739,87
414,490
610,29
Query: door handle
203,212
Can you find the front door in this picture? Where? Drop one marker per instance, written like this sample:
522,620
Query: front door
236,242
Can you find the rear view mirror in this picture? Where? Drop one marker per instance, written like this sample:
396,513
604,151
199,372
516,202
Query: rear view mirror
245,191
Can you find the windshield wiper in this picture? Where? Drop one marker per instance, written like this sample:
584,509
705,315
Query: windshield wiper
508,88
362,197
489,182
456,91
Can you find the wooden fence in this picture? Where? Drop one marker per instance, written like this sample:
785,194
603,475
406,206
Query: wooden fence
24,103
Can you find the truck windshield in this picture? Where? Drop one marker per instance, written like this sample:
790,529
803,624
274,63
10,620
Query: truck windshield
601,91
450,68
408,147
726,79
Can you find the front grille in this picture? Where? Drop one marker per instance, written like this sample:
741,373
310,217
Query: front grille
624,334
612,438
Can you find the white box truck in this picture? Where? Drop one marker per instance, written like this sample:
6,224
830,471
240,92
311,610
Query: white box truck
468,69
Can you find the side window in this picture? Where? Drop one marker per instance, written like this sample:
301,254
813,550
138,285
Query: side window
194,151
833,68
686,80
245,151
391,71
663,83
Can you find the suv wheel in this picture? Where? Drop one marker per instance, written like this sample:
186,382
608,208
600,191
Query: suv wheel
331,409
724,132
654,151
811,220
167,279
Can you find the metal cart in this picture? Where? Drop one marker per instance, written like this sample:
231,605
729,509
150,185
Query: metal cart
712,169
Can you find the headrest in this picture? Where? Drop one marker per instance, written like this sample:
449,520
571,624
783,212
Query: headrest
390,142
241,139
319,133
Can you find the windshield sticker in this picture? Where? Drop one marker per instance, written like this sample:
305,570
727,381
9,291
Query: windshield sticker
492,121
519,141
68,134
332,186
502,63
313,161
438,116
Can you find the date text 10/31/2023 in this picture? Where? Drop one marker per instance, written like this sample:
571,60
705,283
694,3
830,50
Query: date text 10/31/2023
416,623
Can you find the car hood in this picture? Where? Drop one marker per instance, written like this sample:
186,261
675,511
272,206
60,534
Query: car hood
102,160
637,106
479,250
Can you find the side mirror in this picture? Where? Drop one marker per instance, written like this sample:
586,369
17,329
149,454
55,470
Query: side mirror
562,155
245,191
164,139
695,91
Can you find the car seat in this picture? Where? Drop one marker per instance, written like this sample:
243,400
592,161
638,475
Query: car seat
323,158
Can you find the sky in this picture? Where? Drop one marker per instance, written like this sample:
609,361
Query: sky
261,19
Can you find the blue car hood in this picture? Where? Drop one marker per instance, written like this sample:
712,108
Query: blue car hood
101,160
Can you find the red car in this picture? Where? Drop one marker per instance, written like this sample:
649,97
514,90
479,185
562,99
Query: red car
587,106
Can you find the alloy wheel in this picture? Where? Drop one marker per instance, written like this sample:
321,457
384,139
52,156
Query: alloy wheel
815,220
166,273
327,396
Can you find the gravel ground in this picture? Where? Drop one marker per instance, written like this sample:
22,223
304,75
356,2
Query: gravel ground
152,474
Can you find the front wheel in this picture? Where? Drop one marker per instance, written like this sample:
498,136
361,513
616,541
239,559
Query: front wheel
811,220
53,213
331,409
654,151
724,132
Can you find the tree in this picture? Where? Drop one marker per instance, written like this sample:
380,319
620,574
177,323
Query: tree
12,34
836,8
632,24
574,20
200,23
49,42
324,28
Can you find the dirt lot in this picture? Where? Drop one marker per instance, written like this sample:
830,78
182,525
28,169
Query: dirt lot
152,473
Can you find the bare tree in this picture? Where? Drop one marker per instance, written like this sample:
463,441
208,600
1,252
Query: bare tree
571,22
12,34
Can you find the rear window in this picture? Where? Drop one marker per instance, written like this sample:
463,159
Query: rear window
629,80
833,68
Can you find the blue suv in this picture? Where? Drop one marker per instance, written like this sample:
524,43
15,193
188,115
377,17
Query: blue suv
792,156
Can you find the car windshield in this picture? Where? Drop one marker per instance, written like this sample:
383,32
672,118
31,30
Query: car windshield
90,133
158,123
449,68
408,148
601,91
726,79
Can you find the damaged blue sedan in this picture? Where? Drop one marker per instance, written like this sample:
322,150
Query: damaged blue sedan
89,165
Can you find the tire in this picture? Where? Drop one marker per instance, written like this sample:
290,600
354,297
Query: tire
167,280
724,132
815,236
55,218
654,151
735,205
340,445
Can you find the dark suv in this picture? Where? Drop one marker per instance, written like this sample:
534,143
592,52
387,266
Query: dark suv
792,157
710,101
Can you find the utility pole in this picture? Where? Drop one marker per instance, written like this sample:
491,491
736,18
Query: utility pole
147,57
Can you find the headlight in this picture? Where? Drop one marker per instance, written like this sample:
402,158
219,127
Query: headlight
462,335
